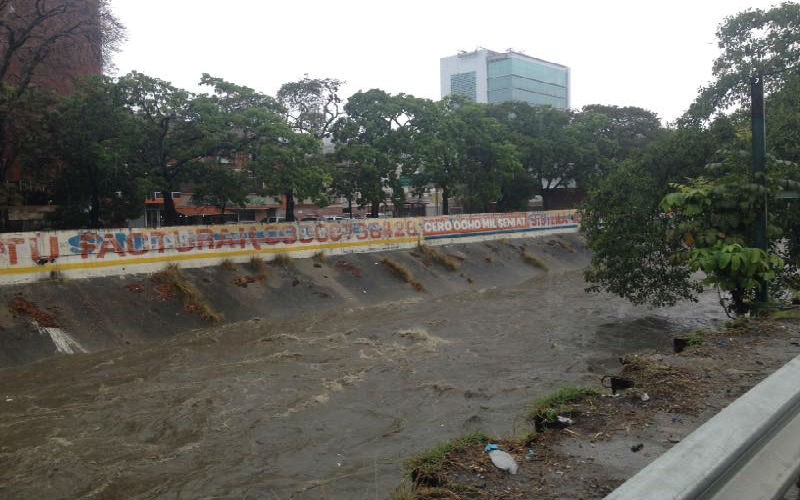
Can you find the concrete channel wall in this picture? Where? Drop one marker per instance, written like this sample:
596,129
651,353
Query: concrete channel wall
29,257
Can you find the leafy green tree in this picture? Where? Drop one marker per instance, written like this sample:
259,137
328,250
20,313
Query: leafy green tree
283,161
219,185
489,161
175,132
374,139
438,147
753,42
624,226
312,105
548,149
97,185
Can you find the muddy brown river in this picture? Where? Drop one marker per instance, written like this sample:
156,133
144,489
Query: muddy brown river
327,405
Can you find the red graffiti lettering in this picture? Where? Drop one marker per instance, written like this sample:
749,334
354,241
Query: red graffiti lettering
182,248
130,244
87,244
321,232
110,244
292,238
205,239
335,232
362,230
159,236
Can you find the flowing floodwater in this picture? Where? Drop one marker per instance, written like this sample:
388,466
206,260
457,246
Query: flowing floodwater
327,405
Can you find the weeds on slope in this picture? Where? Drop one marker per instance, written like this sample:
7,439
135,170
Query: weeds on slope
404,274
193,300
434,255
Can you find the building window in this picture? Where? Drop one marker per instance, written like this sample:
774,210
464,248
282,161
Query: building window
464,84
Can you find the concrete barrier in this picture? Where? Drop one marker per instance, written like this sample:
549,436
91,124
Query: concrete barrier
26,257
749,451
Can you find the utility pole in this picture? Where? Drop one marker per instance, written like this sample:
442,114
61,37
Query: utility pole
759,167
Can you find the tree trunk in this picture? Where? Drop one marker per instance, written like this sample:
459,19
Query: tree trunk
546,199
289,206
350,206
94,211
170,213
445,201
375,208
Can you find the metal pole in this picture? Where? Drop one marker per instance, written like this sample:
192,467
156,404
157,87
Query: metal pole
759,166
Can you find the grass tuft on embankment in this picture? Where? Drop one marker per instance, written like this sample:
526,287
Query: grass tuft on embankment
441,258
426,467
404,274
533,260
193,300
227,265
283,260
547,409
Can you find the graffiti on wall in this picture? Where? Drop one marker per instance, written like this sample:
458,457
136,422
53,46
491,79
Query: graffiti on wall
41,248
481,224
23,253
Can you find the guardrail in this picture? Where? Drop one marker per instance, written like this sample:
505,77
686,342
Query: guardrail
749,451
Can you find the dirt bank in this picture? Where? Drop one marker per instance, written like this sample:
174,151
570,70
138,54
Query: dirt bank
613,436
346,372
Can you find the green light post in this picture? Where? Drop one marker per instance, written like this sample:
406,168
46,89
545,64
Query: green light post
759,167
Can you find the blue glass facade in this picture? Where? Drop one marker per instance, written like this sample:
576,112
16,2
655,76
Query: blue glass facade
514,78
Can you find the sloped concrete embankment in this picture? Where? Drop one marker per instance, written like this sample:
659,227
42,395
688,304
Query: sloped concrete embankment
65,317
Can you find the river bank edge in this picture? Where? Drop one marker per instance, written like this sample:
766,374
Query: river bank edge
583,442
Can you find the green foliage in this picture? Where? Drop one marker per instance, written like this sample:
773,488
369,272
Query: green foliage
697,337
753,42
714,218
428,464
547,409
311,105
90,134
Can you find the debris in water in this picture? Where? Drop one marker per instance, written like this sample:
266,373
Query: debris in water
637,447
501,459
645,397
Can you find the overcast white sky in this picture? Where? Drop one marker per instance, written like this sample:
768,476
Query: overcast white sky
649,53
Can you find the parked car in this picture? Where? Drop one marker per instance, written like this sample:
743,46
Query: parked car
272,220
309,218
333,218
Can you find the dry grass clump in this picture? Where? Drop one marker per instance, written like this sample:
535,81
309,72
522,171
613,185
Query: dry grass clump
319,258
259,267
193,300
283,260
403,273
433,254
566,245
227,265
533,260
673,385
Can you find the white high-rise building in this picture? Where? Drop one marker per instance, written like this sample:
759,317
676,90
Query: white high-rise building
487,76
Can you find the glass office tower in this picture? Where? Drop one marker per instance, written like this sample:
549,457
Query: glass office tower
493,77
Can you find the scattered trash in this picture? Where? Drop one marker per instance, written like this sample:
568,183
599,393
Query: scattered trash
531,455
9,399
795,342
637,447
645,397
564,420
501,459
724,344
674,440
317,264
676,420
